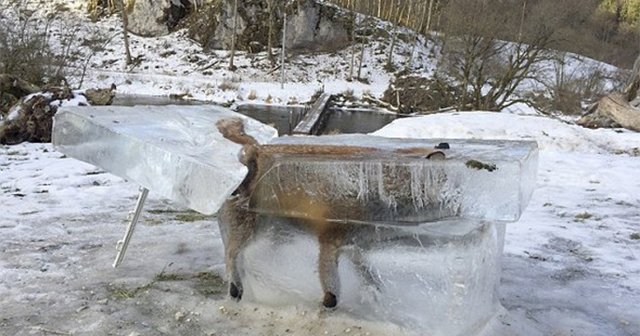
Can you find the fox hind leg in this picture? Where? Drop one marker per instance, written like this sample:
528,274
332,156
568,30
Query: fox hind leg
328,271
330,241
238,225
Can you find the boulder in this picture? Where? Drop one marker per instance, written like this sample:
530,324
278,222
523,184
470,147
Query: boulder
317,27
16,86
97,97
156,18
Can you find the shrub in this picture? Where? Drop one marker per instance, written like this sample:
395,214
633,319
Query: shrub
25,51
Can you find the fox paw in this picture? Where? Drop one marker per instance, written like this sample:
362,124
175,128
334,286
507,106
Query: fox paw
330,300
235,291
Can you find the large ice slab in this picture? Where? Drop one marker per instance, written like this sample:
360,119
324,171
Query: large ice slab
174,151
479,179
437,279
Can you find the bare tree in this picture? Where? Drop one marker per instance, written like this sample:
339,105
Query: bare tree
232,67
125,32
270,32
353,40
394,38
284,44
489,69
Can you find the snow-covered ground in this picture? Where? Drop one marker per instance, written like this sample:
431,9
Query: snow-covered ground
570,267
571,263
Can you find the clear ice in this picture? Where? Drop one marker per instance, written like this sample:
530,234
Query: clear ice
434,279
421,249
425,252
483,180
174,151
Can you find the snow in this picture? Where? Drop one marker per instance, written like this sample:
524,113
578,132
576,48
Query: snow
570,265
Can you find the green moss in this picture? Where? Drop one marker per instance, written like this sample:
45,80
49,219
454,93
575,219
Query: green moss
122,292
208,284
475,164
584,215
163,211
190,217
162,276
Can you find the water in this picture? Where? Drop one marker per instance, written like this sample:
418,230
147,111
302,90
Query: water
344,121
283,118
133,100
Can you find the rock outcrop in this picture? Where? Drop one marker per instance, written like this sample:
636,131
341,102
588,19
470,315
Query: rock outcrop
146,17
156,18
310,26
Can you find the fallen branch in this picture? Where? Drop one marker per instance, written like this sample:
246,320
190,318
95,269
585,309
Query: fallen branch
380,102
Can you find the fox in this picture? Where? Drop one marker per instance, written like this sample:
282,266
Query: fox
238,223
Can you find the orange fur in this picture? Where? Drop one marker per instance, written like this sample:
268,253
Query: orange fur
240,222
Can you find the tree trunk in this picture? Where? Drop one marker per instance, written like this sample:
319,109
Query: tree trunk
353,43
270,36
429,11
125,32
233,36
393,41
617,109
522,15
284,46
15,86
416,36
633,84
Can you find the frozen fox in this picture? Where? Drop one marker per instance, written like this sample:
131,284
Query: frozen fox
241,222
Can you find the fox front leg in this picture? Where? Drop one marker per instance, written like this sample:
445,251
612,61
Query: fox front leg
330,241
238,225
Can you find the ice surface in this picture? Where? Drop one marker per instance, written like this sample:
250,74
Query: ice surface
479,179
174,151
438,279
419,240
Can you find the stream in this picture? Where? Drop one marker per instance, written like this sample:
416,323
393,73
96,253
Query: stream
283,117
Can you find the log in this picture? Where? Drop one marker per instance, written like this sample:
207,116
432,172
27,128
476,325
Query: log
15,86
611,111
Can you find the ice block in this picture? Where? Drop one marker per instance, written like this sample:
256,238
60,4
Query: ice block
174,151
393,184
438,279
390,233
